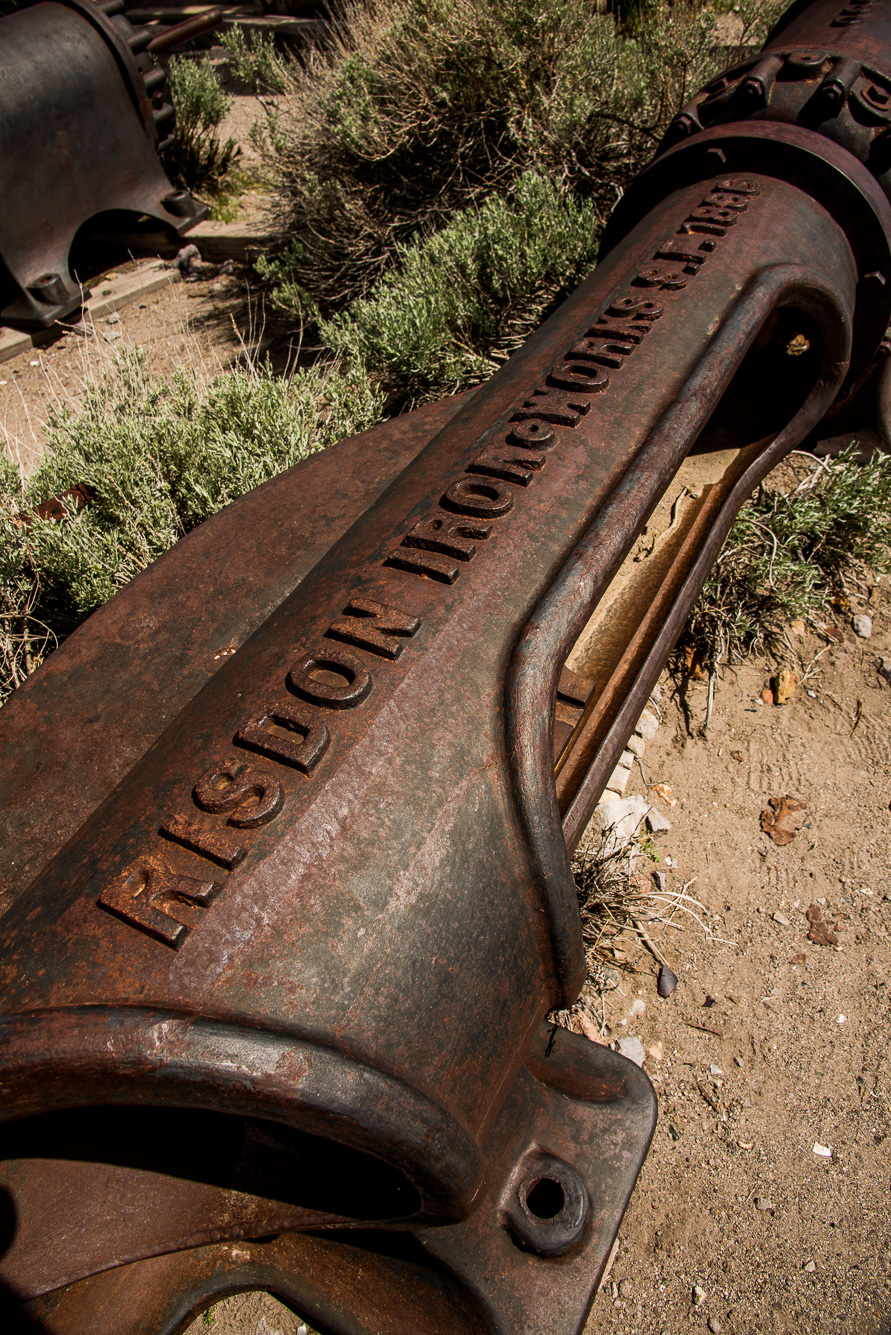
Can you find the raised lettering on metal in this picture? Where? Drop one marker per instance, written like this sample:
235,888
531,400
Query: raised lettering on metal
485,500
289,733
334,679
215,845
146,896
232,786
374,626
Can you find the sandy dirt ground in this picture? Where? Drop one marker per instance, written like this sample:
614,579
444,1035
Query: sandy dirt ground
766,1187
205,326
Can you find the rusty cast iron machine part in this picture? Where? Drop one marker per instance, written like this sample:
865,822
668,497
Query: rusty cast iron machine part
85,108
286,876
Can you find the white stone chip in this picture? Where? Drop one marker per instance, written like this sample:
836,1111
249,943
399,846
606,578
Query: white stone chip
647,725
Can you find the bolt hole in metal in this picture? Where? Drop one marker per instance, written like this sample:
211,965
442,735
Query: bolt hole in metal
548,1209
545,1198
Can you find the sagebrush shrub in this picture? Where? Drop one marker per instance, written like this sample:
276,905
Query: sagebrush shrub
161,457
419,108
196,158
789,555
455,306
254,61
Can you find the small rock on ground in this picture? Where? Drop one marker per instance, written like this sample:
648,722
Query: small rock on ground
632,1048
862,625
668,981
647,725
622,818
656,822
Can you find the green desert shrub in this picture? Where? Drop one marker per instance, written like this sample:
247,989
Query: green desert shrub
456,305
254,61
161,456
421,108
790,554
197,158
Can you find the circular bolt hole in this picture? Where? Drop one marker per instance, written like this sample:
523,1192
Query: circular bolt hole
545,1198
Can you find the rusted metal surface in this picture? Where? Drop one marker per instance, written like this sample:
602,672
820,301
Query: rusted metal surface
194,608
185,31
84,108
302,879
586,1105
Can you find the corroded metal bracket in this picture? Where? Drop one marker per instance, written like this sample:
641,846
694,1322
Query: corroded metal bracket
562,1159
290,818
84,108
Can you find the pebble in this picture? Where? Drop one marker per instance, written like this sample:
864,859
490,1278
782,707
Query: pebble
767,696
715,1070
647,725
698,1296
825,1151
625,1289
714,1325
884,669
185,259
632,1048
667,981
809,1266
781,919
622,819
659,881
763,1203
114,318
618,780
111,335
862,625
656,822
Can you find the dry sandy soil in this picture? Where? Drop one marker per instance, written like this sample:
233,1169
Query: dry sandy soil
772,1044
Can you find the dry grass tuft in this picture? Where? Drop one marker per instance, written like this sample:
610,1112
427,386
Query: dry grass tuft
619,906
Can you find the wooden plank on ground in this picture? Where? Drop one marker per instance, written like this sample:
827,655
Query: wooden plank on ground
111,294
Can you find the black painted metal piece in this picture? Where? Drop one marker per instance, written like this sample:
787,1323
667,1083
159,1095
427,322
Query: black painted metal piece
84,108
302,880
